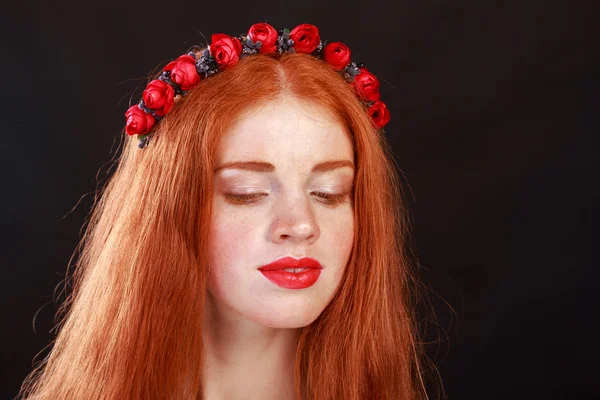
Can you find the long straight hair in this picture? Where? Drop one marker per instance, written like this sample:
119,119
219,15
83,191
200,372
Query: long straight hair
132,326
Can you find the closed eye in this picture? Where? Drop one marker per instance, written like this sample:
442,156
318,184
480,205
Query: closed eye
327,198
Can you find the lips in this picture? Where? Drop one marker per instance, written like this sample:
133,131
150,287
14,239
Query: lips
300,279
290,262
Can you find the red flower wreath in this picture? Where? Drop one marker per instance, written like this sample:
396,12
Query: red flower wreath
225,51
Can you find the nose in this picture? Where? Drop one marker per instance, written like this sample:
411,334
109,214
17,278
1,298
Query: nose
294,220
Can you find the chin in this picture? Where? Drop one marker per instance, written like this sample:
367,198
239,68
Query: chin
286,318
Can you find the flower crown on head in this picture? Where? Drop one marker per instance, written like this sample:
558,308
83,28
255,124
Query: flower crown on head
183,74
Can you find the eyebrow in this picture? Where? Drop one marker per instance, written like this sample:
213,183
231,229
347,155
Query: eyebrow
261,166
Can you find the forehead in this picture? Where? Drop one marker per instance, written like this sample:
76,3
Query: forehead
284,131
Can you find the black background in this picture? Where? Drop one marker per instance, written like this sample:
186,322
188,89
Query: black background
494,124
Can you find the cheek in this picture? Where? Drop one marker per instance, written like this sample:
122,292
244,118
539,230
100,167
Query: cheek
342,232
337,241
231,237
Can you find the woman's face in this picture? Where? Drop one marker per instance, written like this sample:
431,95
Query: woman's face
281,208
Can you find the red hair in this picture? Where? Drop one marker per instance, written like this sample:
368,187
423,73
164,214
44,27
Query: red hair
132,326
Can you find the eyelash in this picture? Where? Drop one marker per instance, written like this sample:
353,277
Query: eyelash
334,199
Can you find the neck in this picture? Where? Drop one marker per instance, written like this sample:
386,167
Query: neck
246,360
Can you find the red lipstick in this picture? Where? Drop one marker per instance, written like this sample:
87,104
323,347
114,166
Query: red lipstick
305,274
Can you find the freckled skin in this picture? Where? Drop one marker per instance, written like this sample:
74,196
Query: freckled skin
289,219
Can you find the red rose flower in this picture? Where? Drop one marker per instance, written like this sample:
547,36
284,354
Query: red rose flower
306,38
379,113
138,122
225,49
159,96
266,34
183,72
366,85
337,54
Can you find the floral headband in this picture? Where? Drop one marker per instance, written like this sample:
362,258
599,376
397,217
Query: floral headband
183,74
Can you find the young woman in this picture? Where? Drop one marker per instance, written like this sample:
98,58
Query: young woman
251,243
